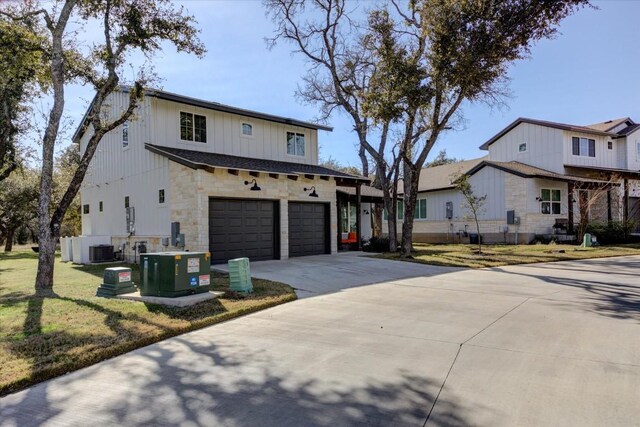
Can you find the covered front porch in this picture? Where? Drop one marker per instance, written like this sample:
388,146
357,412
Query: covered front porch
355,207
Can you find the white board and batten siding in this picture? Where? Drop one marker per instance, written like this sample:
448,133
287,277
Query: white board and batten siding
116,172
544,147
224,134
604,157
632,155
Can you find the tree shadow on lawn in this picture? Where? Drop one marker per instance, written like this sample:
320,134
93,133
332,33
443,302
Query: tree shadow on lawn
193,380
52,349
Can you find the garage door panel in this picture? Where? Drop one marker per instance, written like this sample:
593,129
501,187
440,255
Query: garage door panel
241,228
308,229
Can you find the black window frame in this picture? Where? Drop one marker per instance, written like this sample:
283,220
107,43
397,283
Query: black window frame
193,127
161,196
85,209
125,135
127,202
100,206
576,146
610,145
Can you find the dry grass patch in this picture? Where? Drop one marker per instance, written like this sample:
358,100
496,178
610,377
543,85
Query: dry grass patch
457,255
44,337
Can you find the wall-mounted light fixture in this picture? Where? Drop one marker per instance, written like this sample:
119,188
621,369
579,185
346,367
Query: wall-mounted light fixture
313,193
254,187
538,199
364,211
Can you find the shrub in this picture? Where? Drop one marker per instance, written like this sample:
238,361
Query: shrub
377,244
540,239
22,237
611,232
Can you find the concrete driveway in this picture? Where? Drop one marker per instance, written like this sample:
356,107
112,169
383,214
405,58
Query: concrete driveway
543,344
322,274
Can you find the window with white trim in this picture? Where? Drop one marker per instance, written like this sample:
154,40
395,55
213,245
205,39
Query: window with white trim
295,144
583,147
421,209
522,147
125,135
85,209
550,201
247,129
193,127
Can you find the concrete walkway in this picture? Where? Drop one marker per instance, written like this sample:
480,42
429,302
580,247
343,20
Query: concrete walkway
322,274
535,345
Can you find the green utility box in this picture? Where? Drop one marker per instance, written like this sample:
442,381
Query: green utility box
117,280
175,274
240,275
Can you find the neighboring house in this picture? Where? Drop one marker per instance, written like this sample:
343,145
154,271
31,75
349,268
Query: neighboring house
538,176
238,182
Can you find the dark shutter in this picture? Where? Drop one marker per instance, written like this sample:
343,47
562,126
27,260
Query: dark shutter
592,148
576,146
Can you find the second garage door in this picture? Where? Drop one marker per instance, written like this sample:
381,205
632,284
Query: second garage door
308,229
242,228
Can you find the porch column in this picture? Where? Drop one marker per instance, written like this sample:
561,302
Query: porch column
625,208
358,216
570,190
339,209
609,214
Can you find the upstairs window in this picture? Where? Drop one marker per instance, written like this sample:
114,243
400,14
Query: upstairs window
522,147
125,135
100,206
610,145
583,147
637,150
85,209
126,201
550,201
161,196
247,129
193,127
295,144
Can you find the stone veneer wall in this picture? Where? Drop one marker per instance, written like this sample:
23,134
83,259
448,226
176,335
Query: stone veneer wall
190,191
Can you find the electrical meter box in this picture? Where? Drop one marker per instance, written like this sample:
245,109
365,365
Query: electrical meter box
175,274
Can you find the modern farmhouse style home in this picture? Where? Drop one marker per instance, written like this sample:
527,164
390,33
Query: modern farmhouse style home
538,177
204,176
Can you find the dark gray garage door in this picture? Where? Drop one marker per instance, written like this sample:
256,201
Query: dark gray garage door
308,229
242,228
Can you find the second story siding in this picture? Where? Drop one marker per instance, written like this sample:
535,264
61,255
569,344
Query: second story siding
224,134
532,144
600,156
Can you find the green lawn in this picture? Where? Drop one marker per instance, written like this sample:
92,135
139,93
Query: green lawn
457,255
44,337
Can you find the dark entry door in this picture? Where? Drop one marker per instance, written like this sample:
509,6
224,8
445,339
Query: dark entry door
308,229
242,228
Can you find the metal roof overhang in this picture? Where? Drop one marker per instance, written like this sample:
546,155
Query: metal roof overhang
276,168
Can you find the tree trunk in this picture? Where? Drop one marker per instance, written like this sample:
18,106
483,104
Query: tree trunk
47,230
411,178
475,217
376,219
8,244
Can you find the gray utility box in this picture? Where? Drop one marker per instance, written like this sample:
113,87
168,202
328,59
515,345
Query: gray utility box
175,274
117,280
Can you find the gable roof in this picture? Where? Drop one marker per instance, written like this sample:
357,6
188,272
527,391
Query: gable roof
555,125
204,160
629,129
439,177
195,102
609,124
